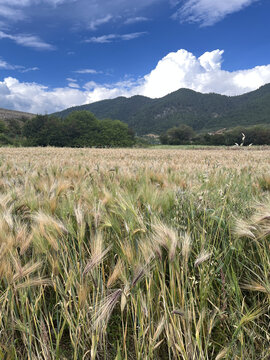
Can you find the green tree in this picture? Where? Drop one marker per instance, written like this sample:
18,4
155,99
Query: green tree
4,136
3,127
164,139
79,129
178,135
114,133
43,130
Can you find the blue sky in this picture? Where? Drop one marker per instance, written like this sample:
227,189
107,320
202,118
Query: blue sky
60,53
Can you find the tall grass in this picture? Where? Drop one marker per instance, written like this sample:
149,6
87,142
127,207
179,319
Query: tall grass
134,254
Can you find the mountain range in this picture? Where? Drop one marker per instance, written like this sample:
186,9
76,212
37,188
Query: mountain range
203,112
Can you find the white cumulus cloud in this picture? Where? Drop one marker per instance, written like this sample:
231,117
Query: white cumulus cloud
176,70
208,12
37,98
182,69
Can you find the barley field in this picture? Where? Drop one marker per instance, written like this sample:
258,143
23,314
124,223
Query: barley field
124,254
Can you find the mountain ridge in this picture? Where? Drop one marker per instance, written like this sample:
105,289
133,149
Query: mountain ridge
203,112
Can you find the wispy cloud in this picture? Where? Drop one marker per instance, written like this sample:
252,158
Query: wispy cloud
27,40
208,12
86,12
114,37
90,13
87,71
9,12
134,20
74,85
25,70
6,66
94,24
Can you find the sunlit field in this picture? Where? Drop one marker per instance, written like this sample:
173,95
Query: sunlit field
134,254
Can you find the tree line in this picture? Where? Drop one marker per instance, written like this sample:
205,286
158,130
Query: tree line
79,129
185,135
83,129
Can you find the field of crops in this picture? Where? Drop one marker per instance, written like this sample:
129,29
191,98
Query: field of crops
134,254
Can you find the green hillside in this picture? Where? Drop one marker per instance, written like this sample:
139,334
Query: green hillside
201,111
11,124
7,115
